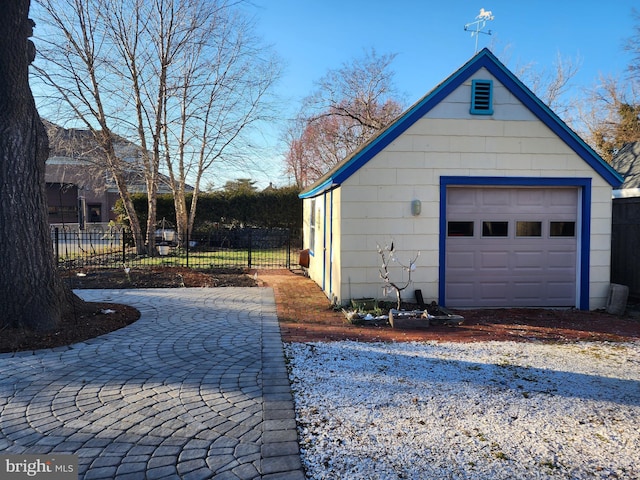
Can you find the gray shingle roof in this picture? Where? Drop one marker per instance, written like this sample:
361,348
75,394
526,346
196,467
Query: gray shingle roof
627,163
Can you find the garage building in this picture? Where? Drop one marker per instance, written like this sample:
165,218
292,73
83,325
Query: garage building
505,203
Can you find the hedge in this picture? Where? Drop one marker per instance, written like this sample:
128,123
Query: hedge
270,208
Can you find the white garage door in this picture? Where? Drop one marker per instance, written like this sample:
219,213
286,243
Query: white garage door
511,246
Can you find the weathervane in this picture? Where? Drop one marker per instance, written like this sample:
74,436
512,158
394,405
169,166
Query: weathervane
476,27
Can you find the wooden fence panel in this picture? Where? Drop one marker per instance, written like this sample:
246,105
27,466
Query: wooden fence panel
625,244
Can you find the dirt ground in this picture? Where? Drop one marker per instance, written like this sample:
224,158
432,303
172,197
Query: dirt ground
158,277
305,314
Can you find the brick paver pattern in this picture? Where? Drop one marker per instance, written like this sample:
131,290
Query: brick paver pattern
195,389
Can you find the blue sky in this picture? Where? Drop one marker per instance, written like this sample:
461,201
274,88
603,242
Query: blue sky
429,37
312,37
431,43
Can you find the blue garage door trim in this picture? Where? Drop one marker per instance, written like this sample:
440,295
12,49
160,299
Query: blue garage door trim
585,226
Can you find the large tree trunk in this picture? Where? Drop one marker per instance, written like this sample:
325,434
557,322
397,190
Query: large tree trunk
32,295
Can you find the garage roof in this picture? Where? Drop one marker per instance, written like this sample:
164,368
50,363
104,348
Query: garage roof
485,59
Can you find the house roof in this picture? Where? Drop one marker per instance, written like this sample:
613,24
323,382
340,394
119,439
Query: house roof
483,59
75,153
627,164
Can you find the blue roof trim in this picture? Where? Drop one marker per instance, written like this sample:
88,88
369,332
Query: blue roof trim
398,127
318,189
551,120
483,59
516,181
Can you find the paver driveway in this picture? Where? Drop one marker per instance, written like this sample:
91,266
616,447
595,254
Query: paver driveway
197,388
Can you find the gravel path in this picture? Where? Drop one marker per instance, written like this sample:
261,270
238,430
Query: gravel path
488,410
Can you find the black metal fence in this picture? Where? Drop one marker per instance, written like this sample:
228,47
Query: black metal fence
106,246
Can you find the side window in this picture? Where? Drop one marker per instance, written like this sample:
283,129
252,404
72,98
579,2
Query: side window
495,229
312,226
460,229
562,229
528,229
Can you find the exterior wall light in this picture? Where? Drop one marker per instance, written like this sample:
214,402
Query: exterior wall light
416,207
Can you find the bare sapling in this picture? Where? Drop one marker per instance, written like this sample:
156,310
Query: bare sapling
388,256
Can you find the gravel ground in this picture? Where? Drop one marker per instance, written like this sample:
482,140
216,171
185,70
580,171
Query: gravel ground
486,410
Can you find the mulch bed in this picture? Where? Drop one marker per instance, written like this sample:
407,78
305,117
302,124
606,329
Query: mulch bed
85,322
306,315
157,277
88,320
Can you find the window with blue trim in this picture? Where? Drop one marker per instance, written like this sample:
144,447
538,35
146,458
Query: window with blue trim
481,97
312,226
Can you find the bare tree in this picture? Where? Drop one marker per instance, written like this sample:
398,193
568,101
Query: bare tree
360,91
321,145
149,36
350,105
78,66
388,256
184,79
553,86
298,158
633,46
33,295
216,97
610,113
611,116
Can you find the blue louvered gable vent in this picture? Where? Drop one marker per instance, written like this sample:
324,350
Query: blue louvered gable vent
481,97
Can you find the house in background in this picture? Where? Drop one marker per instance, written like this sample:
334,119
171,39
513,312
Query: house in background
505,203
79,185
627,163
76,185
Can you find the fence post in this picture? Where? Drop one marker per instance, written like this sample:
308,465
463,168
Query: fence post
288,263
56,232
249,250
187,246
124,246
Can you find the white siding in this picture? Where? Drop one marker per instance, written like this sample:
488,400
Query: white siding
373,206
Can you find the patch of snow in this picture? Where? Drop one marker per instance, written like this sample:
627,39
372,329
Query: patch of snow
487,410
